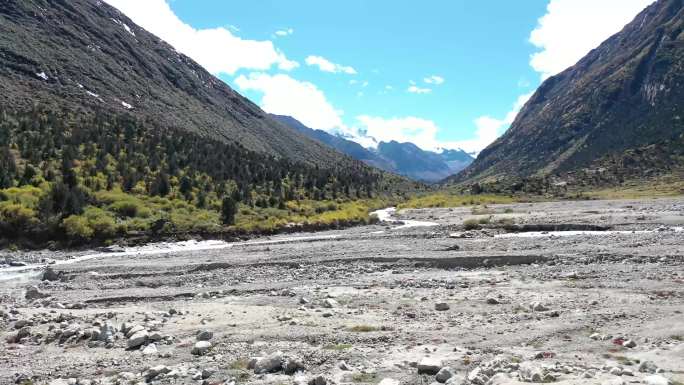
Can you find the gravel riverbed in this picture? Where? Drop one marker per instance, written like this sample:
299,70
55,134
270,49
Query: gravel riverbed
594,295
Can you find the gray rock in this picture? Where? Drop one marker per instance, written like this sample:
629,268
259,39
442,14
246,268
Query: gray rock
442,306
205,335
330,303
208,372
656,380
389,381
538,306
132,330
137,339
444,374
293,365
201,348
155,371
150,350
429,366
318,380
269,364
647,367
51,275
32,292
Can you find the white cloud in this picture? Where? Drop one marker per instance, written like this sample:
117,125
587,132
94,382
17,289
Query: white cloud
490,128
421,132
285,95
417,90
284,32
572,28
326,65
434,79
216,49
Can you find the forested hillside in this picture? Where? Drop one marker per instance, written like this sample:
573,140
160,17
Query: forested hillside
84,177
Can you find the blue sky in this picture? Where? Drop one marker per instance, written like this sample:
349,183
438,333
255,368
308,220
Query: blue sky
439,73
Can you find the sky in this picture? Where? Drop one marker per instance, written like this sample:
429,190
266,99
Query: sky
438,73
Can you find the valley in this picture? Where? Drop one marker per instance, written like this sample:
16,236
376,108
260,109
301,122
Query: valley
413,299
167,218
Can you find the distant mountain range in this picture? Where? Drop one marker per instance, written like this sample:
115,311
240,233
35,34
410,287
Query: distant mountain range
405,159
620,109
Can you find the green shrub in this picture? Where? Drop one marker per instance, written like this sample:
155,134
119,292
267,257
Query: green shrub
101,221
77,226
471,224
17,216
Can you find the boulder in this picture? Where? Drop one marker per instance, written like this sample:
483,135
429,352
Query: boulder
429,366
137,339
269,364
444,374
201,348
656,380
293,365
205,335
32,292
49,274
442,306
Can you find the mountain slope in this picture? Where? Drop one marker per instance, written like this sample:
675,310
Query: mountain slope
626,94
345,146
84,55
405,159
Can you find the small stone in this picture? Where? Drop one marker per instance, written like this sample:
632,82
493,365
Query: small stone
269,364
647,367
492,301
629,344
656,380
201,348
389,381
538,306
293,365
32,292
429,366
51,275
442,306
208,372
444,374
330,303
318,380
150,350
137,339
205,335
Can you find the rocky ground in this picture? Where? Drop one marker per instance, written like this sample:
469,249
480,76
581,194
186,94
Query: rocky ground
377,304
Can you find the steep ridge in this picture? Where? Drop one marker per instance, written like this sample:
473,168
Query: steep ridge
624,95
84,55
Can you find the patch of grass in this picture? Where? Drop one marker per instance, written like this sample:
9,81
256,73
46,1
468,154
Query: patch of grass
471,224
481,211
239,364
338,347
677,337
505,221
666,186
454,200
484,221
362,329
365,378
